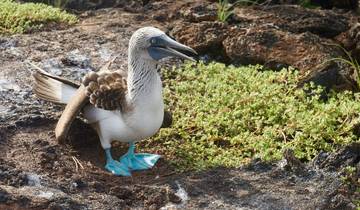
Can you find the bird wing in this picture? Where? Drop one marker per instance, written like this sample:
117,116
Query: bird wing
72,109
52,88
104,89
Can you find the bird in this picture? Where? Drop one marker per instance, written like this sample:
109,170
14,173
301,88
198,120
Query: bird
120,108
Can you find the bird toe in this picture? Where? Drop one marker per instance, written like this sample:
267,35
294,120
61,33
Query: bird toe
139,161
117,168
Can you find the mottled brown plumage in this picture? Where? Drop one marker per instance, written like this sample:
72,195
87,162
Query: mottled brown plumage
106,90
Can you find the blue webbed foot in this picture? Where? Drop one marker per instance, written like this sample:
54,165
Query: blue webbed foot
114,166
138,161
117,168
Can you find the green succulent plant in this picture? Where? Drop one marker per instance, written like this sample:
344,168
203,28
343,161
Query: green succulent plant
23,17
225,116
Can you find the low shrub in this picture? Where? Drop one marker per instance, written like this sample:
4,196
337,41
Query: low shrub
20,18
224,116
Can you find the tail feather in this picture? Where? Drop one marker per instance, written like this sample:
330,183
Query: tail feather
53,88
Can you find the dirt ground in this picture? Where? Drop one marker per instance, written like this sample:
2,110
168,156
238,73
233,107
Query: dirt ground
37,173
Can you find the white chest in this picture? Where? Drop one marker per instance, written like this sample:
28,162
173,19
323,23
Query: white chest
147,115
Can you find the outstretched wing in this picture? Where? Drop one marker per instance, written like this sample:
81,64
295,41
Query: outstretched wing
78,101
72,109
106,90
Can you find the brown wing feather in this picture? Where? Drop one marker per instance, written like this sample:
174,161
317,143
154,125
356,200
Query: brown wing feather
106,90
73,108
41,75
70,112
61,79
49,87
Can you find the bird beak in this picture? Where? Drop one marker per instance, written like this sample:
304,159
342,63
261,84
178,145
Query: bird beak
163,46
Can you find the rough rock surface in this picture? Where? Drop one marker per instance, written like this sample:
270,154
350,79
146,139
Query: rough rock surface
324,4
279,36
203,37
267,45
199,12
342,4
296,19
37,173
350,40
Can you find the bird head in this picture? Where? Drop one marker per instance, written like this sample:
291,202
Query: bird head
152,44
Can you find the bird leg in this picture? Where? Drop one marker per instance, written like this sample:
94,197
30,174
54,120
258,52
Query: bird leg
138,161
114,166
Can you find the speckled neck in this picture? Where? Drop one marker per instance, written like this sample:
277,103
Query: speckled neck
142,77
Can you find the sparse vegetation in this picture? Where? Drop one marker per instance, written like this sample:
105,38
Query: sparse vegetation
55,3
307,4
225,9
349,176
351,179
21,18
224,116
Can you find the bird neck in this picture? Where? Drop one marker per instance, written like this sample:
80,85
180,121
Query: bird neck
143,78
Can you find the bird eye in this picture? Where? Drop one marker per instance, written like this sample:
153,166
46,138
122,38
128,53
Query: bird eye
153,41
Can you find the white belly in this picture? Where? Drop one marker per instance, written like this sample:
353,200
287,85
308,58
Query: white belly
145,121
132,128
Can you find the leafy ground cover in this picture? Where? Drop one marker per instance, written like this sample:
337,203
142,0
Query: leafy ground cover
224,116
20,18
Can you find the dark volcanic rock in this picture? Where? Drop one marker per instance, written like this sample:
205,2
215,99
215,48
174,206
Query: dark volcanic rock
332,76
296,19
350,40
342,4
263,44
200,12
203,37
348,156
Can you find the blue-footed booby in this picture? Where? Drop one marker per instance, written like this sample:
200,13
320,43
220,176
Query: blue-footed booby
118,108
